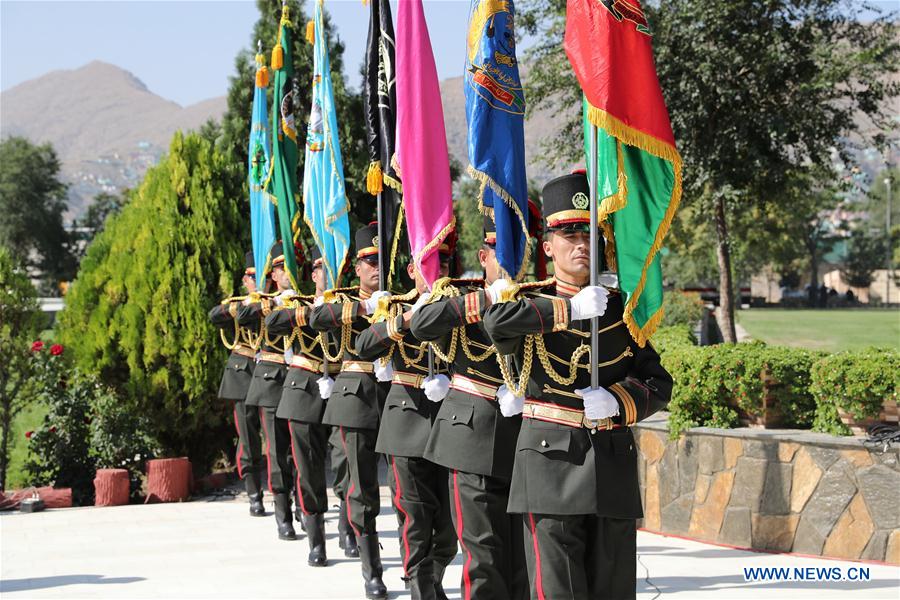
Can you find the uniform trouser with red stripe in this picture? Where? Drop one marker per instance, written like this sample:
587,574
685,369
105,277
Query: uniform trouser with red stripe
308,443
338,464
489,537
249,453
580,556
278,450
363,501
421,500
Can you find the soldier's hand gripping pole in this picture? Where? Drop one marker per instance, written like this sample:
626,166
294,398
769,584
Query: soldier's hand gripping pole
595,255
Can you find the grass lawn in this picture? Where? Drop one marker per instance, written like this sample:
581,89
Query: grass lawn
27,420
831,330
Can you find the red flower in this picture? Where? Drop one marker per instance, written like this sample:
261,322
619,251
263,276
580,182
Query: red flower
28,434
53,430
56,349
37,346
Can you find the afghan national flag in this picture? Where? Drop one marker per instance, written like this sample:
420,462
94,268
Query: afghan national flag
262,212
608,44
282,182
381,103
422,155
495,112
325,204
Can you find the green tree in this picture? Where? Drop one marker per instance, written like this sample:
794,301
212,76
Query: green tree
755,90
136,315
866,253
32,203
20,323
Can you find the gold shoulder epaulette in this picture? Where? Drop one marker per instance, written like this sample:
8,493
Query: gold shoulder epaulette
336,294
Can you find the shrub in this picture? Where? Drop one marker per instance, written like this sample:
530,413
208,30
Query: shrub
856,382
674,336
713,384
682,308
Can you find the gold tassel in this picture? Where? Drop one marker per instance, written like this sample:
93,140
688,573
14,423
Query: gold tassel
374,178
262,77
311,32
277,56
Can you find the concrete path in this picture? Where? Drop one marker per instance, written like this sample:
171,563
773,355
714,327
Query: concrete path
211,548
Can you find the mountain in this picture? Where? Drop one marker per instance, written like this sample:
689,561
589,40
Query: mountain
105,125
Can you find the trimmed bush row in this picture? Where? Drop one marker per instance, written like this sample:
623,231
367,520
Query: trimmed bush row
723,385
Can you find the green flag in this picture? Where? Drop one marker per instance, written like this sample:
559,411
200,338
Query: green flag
281,184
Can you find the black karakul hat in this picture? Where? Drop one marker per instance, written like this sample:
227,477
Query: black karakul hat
315,257
367,241
567,200
249,264
490,231
276,253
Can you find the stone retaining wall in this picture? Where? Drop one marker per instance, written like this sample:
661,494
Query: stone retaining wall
783,490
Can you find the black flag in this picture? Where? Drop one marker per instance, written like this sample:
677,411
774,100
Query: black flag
381,102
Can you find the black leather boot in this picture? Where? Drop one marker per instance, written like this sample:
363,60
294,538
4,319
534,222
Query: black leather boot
315,531
422,586
283,517
346,537
254,493
370,556
439,583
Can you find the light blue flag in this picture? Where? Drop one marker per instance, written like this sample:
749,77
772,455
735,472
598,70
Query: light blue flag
325,205
262,210
495,114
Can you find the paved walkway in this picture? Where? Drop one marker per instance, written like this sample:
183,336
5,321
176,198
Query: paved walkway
211,548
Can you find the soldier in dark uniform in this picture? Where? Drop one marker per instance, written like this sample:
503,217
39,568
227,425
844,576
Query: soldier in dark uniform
472,437
235,383
302,406
575,475
354,405
266,389
340,485
418,486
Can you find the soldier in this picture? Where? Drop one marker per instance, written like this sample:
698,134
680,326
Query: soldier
473,439
575,474
418,486
235,383
266,389
355,405
302,406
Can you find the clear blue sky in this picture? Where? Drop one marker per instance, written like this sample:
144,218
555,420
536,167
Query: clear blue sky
182,50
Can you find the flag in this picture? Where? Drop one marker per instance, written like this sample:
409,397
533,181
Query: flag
381,102
262,212
281,185
639,168
325,205
495,113
424,165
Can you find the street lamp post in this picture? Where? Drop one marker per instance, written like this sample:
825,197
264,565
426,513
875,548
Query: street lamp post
887,278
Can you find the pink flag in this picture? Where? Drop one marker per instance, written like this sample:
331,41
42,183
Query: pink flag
421,141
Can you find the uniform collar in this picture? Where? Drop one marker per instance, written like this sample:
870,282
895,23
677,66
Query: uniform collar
364,295
566,289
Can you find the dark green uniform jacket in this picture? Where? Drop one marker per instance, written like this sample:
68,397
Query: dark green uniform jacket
357,398
408,414
470,434
300,399
268,376
239,368
565,470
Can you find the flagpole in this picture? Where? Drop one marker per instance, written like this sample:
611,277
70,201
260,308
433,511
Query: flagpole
382,258
595,258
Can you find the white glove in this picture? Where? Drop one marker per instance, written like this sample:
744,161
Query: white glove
319,301
599,403
326,384
371,303
436,387
510,404
589,302
423,299
383,372
495,288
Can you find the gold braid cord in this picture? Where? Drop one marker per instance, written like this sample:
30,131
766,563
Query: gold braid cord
447,288
580,351
518,389
237,333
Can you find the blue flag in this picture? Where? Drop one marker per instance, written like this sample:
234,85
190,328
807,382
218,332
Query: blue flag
495,112
262,210
325,205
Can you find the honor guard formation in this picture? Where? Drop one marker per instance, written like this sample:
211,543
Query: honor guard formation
500,449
